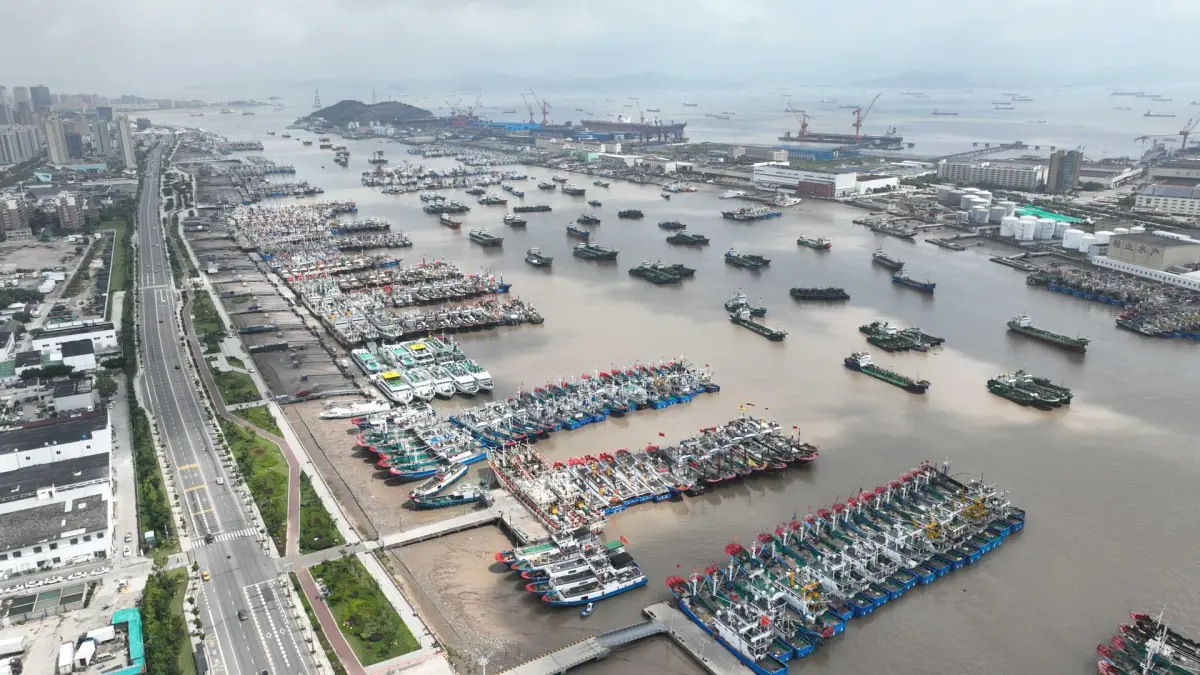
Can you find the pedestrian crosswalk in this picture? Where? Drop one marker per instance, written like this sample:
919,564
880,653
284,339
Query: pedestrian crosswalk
228,536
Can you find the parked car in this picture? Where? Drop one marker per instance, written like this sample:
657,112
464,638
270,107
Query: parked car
125,552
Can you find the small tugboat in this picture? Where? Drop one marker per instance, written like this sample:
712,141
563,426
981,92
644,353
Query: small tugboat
579,233
493,200
587,219
633,214
742,318
547,186
903,279
449,222
735,258
861,361
484,238
739,302
534,257
573,190
513,220
591,251
881,257
595,203
820,243
829,293
600,183
1023,388
687,239
1023,325
672,225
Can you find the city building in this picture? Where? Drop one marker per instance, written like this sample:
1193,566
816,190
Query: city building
56,492
56,139
808,183
3,94
6,114
70,211
74,144
128,153
1179,168
21,95
1172,199
102,138
1153,250
1064,171
74,396
18,144
1017,177
102,334
40,97
14,217
104,112
1108,175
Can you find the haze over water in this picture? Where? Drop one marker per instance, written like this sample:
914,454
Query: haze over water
1109,485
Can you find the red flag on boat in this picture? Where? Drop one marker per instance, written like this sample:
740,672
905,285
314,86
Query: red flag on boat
662,434
795,427
765,621
624,540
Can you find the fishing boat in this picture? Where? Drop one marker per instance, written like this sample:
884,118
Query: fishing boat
513,220
573,190
587,219
493,200
464,381
1024,325
517,192
672,225
600,183
633,214
687,239
356,409
377,158
587,611
881,257
467,494
558,179
394,386
624,576
545,185
484,238
579,233
592,251
534,257
820,243
732,194
738,302
861,362
421,382
742,318
595,203
449,222
439,481
443,382
531,208
901,277
735,258
828,293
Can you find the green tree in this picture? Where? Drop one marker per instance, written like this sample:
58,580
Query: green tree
23,317
106,386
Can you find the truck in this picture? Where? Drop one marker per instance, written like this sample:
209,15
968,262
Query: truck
12,646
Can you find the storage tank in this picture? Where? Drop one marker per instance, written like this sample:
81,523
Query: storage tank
996,214
1120,230
1010,208
962,217
984,194
979,215
1136,229
955,197
1071,238
1103,236
970,190
966,201
1086,242
1008,225
1045,228
943,194
1059,229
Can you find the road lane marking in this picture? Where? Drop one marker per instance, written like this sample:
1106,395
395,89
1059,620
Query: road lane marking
197,513
188,466
194,488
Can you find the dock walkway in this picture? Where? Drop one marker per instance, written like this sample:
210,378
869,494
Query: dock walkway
706,651
505,510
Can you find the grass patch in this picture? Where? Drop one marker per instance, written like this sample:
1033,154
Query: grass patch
164,630
187,662
207,322
260,417
154,511
317,529
265,471
368,621
235,387
121,256
323,639
236,362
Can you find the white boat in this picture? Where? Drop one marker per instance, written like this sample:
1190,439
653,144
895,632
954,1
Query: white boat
465,451
604,585
419,351
783,200
482,377
443,383
732,194
357,409
366,361
464,381
394,386
439,481
421,382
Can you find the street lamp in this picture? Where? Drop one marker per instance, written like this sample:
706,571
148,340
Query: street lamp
483,661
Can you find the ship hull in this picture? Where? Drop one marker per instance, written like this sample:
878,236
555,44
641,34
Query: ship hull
1070,346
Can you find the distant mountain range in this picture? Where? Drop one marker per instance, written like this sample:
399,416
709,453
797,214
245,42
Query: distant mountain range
343,112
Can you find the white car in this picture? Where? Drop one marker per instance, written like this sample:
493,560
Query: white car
53,580
16,589
33,584
100,571
220,481
125,552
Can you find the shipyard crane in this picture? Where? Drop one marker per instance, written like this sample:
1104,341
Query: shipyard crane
860,115
543,104
803,117
1187,130
529,108
474,106
641,115
453,106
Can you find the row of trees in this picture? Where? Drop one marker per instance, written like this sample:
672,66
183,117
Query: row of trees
164,632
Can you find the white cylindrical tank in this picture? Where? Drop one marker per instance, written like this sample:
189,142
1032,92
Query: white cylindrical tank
954,198
996,214
1086,242
1010,208
962,217
1028,219
966,201
1103,236
970,190
984,194
943,194
979,215
1007,225
1045,228
1060,228
1028,230
1120,230
1071,238
1136,229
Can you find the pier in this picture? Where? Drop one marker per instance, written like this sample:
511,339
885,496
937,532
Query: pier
662,620
504,510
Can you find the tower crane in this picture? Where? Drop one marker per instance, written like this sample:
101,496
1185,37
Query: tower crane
1187,130
860,115
641,115
474,106
804,118
529,108
543,104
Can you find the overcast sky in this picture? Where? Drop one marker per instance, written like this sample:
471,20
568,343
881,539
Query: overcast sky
173,47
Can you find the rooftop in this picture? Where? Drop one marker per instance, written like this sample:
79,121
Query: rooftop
1153,239
49,522
53,431
77,348
72,387
73,328
1171,191
25,482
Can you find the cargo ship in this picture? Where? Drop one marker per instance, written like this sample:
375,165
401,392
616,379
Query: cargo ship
534,257
749,214
531,208
903,279
889,338
881,257
1025,389
484,238
888,140
632,214
655,273
578,233
672,225
735,258
592,251
739,302
742,318
573,190
1023,325
684,238
820,243
513,220
861,361
493,200
829,293
449,222
587,219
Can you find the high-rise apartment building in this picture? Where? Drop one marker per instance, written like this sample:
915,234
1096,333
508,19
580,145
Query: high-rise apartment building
18,144
104,112
70,215
56,139
20,95
1064,171
39,96
74,141
102,138
128,153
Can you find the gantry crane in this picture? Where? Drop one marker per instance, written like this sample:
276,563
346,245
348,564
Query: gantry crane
1187,130
529,108
860,115
544,105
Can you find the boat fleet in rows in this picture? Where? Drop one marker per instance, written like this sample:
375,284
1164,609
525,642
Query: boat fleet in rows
798,584
422,369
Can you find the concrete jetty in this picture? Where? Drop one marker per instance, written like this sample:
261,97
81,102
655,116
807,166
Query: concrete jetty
504,509
705,650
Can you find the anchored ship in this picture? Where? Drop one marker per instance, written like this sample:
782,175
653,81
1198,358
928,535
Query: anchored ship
889,338
484,238
901,277
1024,325
357,409
592,251
861,361
534,257
820,243
742,317
738,302
828,293
881,257
683,238
1026,389
633,214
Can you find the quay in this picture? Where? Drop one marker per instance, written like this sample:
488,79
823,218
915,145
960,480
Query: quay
662,620
503,509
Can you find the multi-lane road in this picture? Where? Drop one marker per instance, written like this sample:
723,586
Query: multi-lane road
243,605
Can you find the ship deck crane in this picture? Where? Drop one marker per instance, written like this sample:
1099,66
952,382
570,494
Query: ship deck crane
860,115
544,105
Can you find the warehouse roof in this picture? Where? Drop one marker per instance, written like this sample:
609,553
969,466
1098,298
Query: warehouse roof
1153,239
1172,191
46,523
77,348
30,358
27,481
59,431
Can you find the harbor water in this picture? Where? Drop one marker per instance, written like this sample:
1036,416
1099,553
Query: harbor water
1108,484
